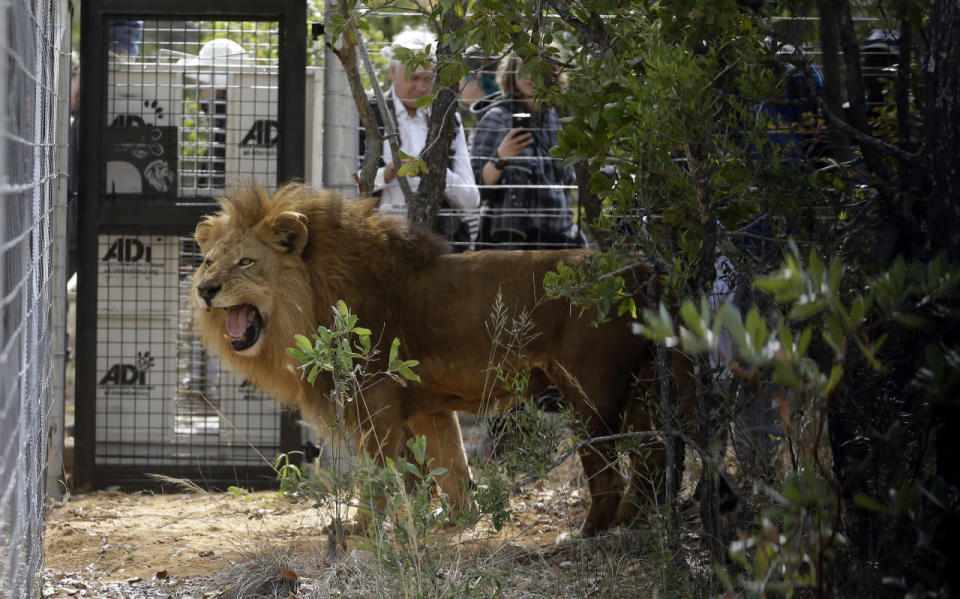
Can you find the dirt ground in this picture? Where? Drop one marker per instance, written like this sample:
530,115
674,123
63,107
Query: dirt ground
113,544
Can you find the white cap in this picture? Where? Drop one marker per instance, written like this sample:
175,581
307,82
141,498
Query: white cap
214,54
415,40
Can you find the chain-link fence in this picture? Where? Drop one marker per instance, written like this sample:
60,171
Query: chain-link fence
34,79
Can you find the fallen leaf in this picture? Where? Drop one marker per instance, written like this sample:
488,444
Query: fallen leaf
287,575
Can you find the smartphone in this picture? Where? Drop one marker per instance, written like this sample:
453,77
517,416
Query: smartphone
521,120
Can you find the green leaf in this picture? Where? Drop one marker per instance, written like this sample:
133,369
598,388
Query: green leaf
693,343
418,447
836,373
912,321
413,168
833,280
835,327
786,341
858,309
424,101
869,503
692,318
816,271
394,350
408,374
296,353
805,337
627,306
757,330
303,343
805,310
313,373
785,375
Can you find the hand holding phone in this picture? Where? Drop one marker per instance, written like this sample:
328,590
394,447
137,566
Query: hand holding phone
521,120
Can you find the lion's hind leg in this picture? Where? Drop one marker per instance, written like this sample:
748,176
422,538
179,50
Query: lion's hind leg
599,459
648,462
647,452
445,448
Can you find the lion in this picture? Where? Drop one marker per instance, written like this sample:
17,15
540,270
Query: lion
273,267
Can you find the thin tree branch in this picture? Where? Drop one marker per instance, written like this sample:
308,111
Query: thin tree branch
868,140
584,443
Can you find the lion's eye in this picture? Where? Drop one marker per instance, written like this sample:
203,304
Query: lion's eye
244,261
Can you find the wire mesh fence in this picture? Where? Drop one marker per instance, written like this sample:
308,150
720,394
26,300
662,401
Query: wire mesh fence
531,205
34,71
207,94
188,110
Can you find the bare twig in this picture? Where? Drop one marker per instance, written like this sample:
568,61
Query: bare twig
584,443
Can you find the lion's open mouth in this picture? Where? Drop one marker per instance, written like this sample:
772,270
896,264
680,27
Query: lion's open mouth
243,325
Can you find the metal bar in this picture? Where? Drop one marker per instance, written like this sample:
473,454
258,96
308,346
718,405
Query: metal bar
135,478
56,424
90,167
341,144
234,10
293,46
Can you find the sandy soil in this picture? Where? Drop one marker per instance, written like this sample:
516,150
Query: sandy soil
105,538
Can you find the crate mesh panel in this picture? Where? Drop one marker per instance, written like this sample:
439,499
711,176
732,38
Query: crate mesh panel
198,102
161,399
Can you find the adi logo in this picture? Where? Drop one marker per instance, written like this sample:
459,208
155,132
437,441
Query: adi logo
262,133
130,374
128,249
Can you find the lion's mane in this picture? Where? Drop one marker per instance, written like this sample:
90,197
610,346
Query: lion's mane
347,239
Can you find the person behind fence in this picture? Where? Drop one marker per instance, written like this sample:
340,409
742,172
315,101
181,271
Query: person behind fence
125,37
525,198
480,82
461,193
210,68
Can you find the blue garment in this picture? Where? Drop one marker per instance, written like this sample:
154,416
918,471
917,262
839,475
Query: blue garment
125,37
787,113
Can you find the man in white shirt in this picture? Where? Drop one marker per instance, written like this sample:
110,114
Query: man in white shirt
461,192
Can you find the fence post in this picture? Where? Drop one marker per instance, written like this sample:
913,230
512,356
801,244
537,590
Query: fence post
341,146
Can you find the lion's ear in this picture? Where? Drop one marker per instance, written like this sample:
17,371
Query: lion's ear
203,233
289,231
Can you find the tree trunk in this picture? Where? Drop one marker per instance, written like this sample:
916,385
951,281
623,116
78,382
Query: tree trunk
424,205
943,127
942,120
833,81
423,209
709,418
856,94
903,84
592,205
347,54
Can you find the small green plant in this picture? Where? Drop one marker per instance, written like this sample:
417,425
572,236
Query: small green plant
406,531
528,440
409,544
344,353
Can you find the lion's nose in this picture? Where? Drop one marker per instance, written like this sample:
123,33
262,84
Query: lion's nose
208,291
